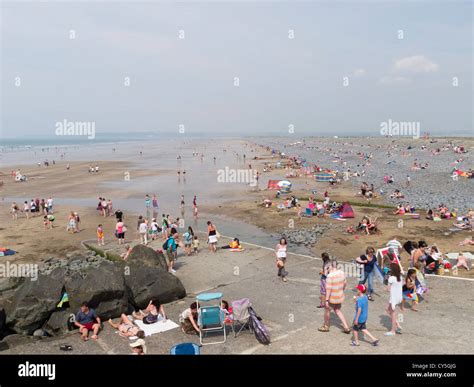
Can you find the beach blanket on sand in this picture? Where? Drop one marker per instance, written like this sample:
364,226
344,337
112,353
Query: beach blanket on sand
455,255
158,327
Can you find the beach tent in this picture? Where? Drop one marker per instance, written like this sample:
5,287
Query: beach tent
273,184
284,186
347,211
324,176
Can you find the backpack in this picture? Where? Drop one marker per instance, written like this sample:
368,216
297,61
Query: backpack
259,330
165,245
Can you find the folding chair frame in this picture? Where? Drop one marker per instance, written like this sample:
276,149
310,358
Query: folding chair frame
204,331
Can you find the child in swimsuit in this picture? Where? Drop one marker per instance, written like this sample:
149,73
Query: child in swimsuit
100,235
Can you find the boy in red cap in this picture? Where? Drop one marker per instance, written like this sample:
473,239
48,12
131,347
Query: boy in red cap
361,315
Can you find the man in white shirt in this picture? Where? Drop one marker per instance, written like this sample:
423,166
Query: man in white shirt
143,231
395,245
49,202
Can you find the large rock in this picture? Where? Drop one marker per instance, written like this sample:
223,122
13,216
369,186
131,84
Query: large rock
147,256
103,288
110,288
58,323
146,283
34,301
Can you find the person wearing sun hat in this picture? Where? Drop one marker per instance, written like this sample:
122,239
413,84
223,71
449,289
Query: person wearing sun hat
360,317
138,347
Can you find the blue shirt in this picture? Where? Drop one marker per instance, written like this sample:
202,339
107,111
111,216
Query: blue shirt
362,303
368,266
84,318
171,244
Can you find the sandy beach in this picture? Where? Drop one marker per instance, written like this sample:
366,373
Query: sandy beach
236,210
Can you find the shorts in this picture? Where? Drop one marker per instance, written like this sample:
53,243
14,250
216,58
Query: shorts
120,235
171,255
89,326
359,327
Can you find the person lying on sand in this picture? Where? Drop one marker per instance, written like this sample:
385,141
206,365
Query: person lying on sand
126,328
465,224
462,261
467,242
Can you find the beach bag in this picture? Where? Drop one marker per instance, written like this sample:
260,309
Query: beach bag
218,235
257,327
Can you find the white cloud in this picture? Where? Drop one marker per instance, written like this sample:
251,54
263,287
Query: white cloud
359,73
394,80
415,64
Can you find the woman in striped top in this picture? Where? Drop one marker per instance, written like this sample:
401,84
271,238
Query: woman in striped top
335,286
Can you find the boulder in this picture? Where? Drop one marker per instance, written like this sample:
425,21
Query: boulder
103,288
110,288
58,323
146,283
147,256
34,301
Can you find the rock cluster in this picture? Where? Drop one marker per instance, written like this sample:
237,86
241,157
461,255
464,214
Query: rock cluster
111,288
306,236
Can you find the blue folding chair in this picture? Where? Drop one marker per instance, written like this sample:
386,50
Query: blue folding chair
185,349
211,318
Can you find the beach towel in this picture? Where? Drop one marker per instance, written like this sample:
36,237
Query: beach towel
158,327
455,255
237,249
7,252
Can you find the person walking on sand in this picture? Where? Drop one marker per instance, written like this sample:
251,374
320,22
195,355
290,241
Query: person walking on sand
71,225
78,221
120,232
280,253
395,286
143,231
335,285
14,211
26,209
100,235
212,236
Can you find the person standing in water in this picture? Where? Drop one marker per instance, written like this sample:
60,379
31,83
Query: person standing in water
147,201
154,202
195,208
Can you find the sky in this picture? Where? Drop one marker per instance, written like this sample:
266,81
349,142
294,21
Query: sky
245,68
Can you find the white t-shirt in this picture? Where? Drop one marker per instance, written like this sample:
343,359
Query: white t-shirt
143,228
50,202
396,291
281,252
154,226
186,314
394,244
